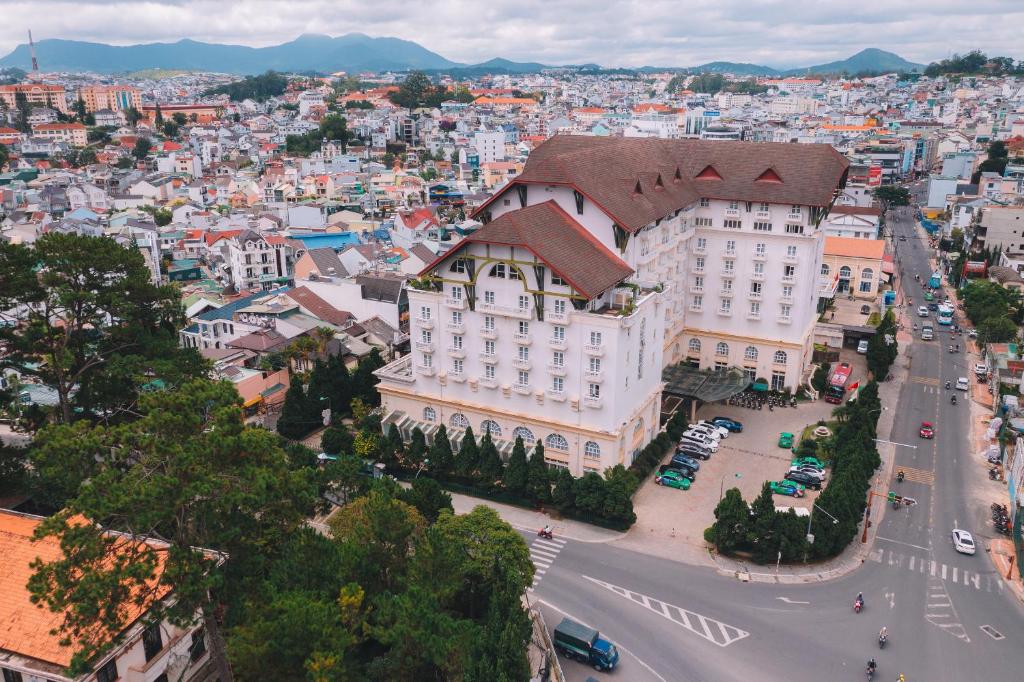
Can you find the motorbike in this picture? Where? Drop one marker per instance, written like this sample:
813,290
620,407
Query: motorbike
545,533
951,349
993,474
952,399
895,504
882,639
947,385
858,605
900,476
870,672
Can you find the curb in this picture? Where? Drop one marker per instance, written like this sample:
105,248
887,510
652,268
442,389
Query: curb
1002,566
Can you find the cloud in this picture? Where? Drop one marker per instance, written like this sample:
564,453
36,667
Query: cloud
612,33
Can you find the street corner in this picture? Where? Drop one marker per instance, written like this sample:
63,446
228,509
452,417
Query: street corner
1001,552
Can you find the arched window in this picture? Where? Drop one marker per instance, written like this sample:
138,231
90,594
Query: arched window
429,414
490,426
780,357
750,353
694,345
825,270
498,270
591,449
867,274
845,272
524,433
459,421
556,441
722,349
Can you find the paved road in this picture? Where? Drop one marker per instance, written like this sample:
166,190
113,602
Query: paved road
680,622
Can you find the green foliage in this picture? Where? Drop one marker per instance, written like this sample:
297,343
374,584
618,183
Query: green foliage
332,128
517,472
4,155
97,329
732,519
13,469
416,452
538,479
259,88
881,354
428,497
441,457
974,62
564,494
491,466
993,309
761,526
300,416
892,195
188,473
141,148
179,118
819,380
336,440
468,459
417,91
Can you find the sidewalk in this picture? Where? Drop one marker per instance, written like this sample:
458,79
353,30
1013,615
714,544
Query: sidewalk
1000,550
528,520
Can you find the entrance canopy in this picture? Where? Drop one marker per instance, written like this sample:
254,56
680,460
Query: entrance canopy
705,385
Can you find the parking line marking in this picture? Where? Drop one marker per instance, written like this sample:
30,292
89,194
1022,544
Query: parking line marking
943,571
729,633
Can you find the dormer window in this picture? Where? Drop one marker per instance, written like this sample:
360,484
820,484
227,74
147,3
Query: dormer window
704,202
498,270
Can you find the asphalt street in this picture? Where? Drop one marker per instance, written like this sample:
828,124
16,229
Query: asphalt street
674,621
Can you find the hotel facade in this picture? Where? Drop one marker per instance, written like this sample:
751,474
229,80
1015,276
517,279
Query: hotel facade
604,261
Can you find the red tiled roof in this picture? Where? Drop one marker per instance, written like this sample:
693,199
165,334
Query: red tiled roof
621,175
554,237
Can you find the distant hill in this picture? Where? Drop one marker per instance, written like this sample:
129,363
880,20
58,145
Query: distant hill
869,60
736,68
352,52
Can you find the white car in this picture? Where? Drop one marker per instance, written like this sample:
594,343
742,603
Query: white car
711,428
962,384
922,311
981,369
862,346
963,542
697,438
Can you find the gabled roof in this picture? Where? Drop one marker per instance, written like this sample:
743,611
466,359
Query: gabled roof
320,308
607,171
552,235
327,262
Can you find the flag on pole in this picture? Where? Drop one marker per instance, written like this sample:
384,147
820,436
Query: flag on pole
853,391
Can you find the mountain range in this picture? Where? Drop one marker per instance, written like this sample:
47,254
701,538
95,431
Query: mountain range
352,52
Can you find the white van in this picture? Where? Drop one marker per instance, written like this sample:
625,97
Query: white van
927,333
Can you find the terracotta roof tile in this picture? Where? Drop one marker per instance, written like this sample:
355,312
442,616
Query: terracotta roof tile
854,248
305,297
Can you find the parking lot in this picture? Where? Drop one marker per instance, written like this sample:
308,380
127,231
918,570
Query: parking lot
671,522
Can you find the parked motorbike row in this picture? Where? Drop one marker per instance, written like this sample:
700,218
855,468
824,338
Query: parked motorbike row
1001,518
755,401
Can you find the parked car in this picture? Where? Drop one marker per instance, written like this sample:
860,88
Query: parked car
972,333
678,468
728,423
980,368
810,470
697,438
963,541
721,430
922,311
813,461
708,430
862,346
962,384
803,478
927,430
692,450
790,488
673,479
686,461
785,439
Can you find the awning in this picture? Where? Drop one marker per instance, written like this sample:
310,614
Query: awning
253,401
705,385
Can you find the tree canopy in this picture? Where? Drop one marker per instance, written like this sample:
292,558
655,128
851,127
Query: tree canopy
332,128
259,88
974,62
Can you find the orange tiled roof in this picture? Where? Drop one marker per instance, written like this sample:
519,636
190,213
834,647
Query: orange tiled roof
854,248
24,627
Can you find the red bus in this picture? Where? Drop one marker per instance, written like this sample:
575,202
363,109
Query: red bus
836,390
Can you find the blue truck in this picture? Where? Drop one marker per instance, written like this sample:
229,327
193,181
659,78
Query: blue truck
577,641
936,281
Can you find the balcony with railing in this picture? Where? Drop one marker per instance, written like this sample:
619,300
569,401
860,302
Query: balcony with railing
488,358
696,289
506,310
757,276
753,316
593,402
596,349
763,215
490,382
557,317
488,333
425,370
791,258
455,303
456,327
732,213
558,343
400,370
520,363
456,351
425,346
699,250
557,370
522,389
594,375
522,339
457,377
789,279
558,396
785,319
424,323
760,256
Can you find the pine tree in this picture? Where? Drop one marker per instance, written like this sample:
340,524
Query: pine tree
468,459
517,471
732,515
762,525
417,449
340,389
297,418
564,494
491,466
441,453
538,479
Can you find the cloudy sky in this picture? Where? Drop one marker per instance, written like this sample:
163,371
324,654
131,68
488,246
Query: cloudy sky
609,32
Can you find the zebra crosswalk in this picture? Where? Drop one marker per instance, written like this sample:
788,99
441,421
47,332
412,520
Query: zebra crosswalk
543,553
988,581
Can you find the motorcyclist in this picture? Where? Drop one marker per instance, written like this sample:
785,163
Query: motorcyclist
872,665
952,399
883,633
899,477
860,599
947,385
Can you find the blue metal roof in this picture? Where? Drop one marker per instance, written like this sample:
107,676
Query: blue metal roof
226,311
337,240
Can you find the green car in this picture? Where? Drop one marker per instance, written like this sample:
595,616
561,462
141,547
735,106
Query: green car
673,479
928,296
788,488
785,439
814,461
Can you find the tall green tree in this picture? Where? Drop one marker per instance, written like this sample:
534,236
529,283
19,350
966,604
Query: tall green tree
564,494
429,498
441,458
299,416
468,459
538,479
761,534
517,471
141,148
187,477
417,450
732,518
96,328
491,466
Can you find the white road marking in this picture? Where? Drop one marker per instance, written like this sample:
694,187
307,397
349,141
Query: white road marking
710,629
617,645
543,552
955,571
943,571
911,565
790,601
547,543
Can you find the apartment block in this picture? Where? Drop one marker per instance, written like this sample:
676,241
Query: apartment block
112,97
36,94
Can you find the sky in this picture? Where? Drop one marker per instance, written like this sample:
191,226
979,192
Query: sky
628,33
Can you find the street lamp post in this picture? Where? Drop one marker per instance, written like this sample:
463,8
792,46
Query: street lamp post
424,463
810,538
325,415
721,486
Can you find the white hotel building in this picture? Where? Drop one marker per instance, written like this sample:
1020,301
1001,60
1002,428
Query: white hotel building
605,260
